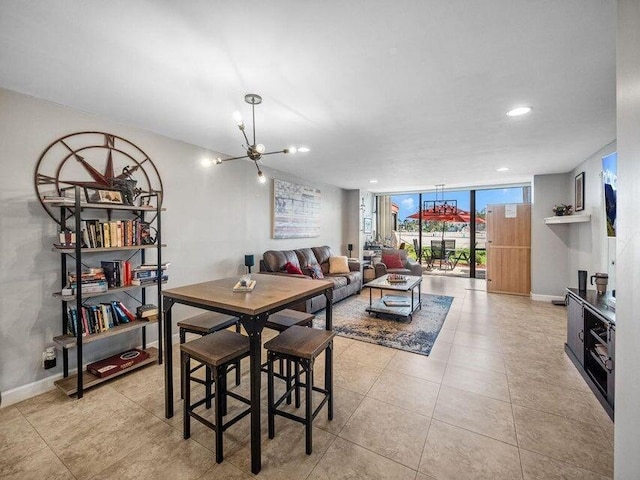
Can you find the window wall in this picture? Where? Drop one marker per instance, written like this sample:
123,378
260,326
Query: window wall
449,239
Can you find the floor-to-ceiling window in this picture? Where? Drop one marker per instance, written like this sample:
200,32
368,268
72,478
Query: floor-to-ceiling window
445,230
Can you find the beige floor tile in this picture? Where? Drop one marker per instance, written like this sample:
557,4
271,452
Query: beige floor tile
354,376
446,335
477,359
348,460
484,328
169,457
345,403
580,444
284,456
454,453
421,366
440,351
555,369
477,413
406,392
36,466
368,354
225,471
539,467
18,439
390,431
565,402
481,342
484,382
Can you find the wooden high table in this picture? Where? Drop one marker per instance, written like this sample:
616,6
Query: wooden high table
271,294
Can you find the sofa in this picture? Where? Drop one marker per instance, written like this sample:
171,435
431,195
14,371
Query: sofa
344,284
402,263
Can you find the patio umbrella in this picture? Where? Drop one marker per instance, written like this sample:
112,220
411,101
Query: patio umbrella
451,215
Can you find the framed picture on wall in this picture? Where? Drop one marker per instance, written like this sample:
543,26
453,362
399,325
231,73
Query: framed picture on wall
579,189
367,225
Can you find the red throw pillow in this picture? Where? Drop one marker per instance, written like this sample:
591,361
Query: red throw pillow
392,260
292,269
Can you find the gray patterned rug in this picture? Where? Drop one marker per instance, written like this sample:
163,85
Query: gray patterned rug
352,321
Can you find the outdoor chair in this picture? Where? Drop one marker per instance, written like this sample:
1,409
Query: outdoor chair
443,251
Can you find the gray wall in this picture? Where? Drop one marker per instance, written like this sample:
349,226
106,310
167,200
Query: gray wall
627,431
549,243
564,249
214,216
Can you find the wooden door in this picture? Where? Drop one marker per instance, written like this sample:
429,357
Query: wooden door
509,249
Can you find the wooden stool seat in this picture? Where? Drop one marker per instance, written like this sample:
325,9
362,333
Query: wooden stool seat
217,349
287,318
208,322
300,342
205,324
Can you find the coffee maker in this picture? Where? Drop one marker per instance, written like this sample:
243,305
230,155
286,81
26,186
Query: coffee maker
602,279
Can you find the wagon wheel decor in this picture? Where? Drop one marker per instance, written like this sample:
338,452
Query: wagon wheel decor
96,161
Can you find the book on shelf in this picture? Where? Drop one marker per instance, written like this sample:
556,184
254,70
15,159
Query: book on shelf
116,363
148,310
107,234
153,266
142,282
97,318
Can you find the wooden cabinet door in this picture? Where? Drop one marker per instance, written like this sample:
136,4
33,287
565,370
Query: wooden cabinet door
575,328
611,378
509,249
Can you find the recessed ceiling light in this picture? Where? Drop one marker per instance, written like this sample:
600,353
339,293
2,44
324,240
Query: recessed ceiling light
373,181
518,111
303,149
502,169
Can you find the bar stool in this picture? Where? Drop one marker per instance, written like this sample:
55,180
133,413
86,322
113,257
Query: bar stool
302,345
219,352
205,324
280,321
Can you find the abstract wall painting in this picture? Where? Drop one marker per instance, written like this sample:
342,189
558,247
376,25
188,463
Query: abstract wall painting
296,210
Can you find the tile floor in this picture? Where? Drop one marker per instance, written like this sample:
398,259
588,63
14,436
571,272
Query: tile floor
496,399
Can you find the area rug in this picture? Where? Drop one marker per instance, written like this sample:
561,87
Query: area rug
418,336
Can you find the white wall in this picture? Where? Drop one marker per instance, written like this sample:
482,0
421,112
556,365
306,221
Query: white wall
214,217
627,431
559,251
588,245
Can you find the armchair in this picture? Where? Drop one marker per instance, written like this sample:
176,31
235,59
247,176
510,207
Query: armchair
399,262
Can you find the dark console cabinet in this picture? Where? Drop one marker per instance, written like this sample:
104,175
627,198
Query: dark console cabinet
591,334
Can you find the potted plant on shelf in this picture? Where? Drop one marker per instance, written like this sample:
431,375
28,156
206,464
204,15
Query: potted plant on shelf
562,209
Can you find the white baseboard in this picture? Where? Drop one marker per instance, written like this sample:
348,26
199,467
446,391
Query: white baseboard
24,392
545,298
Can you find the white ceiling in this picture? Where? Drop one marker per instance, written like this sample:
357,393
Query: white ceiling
410,92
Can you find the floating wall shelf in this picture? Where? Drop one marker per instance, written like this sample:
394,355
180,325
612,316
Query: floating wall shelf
568,219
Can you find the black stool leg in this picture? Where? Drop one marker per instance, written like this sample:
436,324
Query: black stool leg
296,365
221,390
207,387
329,379
238,371
183,338
309,407
270,395
218,412
186,388
288,381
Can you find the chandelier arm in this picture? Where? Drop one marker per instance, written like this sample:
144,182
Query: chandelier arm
272,153
245,135
234,158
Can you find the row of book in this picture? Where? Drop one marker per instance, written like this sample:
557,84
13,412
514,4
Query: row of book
115,274
115,234
97,318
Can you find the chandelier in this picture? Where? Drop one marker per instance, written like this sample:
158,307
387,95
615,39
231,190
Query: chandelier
255,151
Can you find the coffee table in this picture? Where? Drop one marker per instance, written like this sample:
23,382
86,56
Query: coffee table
395,305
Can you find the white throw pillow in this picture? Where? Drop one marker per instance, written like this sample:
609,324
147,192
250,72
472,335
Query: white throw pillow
338,265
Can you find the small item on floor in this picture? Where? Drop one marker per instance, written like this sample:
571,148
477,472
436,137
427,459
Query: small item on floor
559,302
148,310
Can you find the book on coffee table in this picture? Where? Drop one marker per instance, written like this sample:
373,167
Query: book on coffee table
397,303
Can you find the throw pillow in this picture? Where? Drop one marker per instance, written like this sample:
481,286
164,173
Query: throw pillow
315,270
338,265
292,269
392,260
